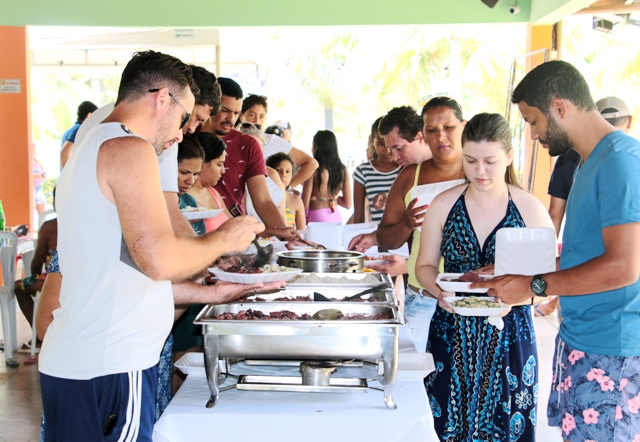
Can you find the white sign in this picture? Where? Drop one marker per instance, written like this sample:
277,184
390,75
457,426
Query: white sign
9,86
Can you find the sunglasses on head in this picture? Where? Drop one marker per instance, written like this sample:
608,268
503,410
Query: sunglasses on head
247,125
187,117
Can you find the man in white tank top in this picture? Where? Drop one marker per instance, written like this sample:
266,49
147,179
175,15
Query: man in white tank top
118,254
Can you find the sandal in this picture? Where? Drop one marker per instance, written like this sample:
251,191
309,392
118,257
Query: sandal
26,347
31,360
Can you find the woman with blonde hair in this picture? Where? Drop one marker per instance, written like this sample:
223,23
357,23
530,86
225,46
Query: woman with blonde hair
485,385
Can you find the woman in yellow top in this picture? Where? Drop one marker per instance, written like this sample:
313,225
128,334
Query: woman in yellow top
294,209
443,125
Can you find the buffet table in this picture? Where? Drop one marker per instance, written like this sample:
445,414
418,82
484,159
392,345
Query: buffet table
288,416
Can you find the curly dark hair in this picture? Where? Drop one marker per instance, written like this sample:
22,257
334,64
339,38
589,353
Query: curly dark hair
210,93
150,69
553,79
405,118
326,153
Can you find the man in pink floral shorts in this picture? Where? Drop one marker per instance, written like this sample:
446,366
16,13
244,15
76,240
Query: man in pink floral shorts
595,393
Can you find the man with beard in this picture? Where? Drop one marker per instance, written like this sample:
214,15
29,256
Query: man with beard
616,112
118,255
596,389
244,165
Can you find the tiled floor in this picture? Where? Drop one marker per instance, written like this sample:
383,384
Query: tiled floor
20,404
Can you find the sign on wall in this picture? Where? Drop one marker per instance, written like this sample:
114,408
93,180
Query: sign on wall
9,86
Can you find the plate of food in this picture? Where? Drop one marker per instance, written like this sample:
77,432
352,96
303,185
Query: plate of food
244,274
194,213
370,260
476,305
460,282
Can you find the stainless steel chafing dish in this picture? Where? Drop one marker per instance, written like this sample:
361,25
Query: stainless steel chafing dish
322,260
302,340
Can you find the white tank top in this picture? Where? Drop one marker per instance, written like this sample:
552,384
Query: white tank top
112,317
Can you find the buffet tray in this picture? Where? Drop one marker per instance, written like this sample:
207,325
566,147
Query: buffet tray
355,281
383,296
294,384
205,317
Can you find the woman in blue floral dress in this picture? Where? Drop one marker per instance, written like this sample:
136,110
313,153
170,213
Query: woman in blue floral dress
485,385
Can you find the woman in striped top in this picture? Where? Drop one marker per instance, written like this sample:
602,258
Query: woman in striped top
373,179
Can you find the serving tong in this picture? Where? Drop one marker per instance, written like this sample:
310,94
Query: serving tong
310,244
320,297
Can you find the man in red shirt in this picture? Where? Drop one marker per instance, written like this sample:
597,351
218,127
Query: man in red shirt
244,164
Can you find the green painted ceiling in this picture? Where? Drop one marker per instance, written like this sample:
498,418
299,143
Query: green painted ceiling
193,13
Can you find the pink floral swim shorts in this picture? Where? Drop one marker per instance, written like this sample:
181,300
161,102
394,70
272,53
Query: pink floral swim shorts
595,397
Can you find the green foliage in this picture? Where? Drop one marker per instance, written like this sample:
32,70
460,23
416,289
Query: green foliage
56,96
47,188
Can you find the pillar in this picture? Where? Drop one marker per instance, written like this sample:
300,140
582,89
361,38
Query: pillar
16,151
539,37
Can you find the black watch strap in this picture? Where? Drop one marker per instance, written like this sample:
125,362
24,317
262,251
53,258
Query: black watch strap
539,285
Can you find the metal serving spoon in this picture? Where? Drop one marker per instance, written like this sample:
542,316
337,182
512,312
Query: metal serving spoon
263,255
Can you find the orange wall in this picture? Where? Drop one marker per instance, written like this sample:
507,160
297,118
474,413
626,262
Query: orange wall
16,153
539,37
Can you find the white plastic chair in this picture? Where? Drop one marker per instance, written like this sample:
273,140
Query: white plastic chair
46,216
8,253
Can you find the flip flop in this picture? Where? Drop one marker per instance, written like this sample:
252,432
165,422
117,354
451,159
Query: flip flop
26,348
537,312
31,360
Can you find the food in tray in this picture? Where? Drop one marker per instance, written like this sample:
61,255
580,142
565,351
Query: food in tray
328,314
303,298
286,315
475,302
314,278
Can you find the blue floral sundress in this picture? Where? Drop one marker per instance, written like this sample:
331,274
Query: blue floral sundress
485,385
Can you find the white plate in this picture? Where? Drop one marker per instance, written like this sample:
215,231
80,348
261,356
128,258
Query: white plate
450,286
191,364
254,278
305,247
467,311
375,261
201,214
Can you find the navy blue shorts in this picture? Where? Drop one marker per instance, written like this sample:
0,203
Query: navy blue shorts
118,407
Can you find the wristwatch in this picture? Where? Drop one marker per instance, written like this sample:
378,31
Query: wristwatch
539,286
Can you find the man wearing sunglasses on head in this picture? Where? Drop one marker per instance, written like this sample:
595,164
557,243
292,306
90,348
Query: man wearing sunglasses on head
207,104
244,165
119,254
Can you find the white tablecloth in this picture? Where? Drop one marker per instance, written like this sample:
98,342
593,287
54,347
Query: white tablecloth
274,416
323,417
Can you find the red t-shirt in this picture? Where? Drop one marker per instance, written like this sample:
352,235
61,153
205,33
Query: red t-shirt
244,160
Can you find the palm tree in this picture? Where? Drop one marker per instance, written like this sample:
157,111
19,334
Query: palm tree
325,74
